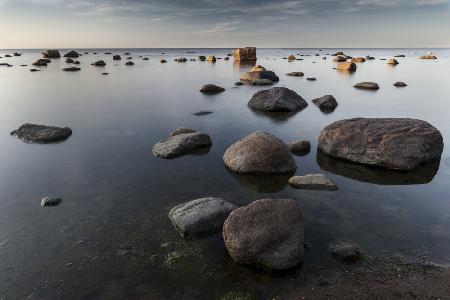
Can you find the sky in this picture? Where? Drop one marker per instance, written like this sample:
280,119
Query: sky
224,23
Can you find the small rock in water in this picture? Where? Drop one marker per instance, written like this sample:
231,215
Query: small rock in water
41,134
244,54
211,58
346,66
211,89
358,59
428,57
291,58
71,69
53,53
50,201
311,78
202,58
267,234
105,73
259,72
181,130
203,113
345,251
163,61
34,70
238,83
181,144
367,86
392,61
42,62
326,103
313,182
296,74
117,57
261,82
400,55
400,84
69,61
277,99
299,147
340,58
72,54
99,63
129,63
200,216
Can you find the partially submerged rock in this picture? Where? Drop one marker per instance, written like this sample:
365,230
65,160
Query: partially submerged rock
99,63
367,86
346,66
313,182
299,147
41,134
259,153
129,63
50,201
340,58
400,84
211,58
345,251
200,216
358,59
261,82
69,60
267,234
427,57
71,69
295,74
277,99
311,78
291,58
391,143
52,53
203,113
326,103
72,54
41,62
212,89
244,54
259,72
181,144
117,57
392,61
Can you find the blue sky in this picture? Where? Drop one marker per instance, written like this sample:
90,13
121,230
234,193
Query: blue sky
225,23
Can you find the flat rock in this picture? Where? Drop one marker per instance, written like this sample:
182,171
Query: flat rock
50,201
71,69
203,113
212,89
427,57
181,144
200,216
311,78
129,63
267,234
277,99
367,86
259,153
41,62
392,143
296,74
180,130
400,84
326,103
244,54
261,82
238,83
41,134
313,182
358,59
345,251
299,147
259,72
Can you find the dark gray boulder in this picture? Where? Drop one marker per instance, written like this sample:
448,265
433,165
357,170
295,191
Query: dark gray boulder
181,144
391,143
326,103
71,69
313,182
117,57
41,62
260,153
211,89
261,82
296,74
345,251
277,99
299,147
72,54
52,53
99,63
41,134
367,86
267,233
203,113
400,84
200,216
259,72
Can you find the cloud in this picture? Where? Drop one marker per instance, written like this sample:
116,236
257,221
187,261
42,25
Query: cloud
222,27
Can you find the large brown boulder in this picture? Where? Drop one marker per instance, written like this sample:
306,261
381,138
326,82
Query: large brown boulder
52,53
259,153
267,233
390,143
358,59
277,99
244,54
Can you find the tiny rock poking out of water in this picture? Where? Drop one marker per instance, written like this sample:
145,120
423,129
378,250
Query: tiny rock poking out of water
296,74
200,216
203,113
181,144
211,89
71,69
346,251
390,143
277,99
99,63
267,234
313,182
400,84
367,86
41,134
261,82
260,153
50,201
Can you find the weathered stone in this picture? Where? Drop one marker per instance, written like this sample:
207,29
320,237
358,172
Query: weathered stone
163,61
345,251
203,113
50,201
117,57
71,69
259,153
181,144
291,58
390,143
267,234
53,53
358,59
400,84
367,86
99,63
129,63
41,62
392,61
72,54
311,78
200,216
69,60
202,58
340,59
313,182
211,58
212,89
277,99
296,74
346,66
181,130
326,103
41,134
259,72
244,54
299,147
428,57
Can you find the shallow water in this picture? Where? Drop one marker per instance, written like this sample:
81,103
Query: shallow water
111,238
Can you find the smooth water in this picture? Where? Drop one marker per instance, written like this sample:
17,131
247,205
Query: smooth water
111,237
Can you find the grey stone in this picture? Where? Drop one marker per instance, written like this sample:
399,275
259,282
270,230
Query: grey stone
367,86
277,99
41,134
181,144
326,103
345,251
313,182
50,201
211,89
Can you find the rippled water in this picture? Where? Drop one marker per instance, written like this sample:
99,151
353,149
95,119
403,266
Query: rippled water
111,238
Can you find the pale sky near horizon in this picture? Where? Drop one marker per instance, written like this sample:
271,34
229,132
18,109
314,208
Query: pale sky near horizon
224,23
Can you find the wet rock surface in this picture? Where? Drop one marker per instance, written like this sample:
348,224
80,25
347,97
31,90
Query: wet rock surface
212,89
181,144
41,134
52,53
345,251
299,147
277,99
367,86
50,201
326,103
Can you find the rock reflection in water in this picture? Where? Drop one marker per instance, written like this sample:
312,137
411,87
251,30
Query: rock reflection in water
275,116
262,183
422,175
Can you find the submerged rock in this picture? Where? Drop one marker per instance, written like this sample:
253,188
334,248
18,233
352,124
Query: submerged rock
211,89
203,113
326,103
391,143
299,147
41,134
345,251
277,99
41,62
261,82
34,70
69,61
72,54
129,63
181,130
367,86
400,84
52,53
296,74
259,153
200,216
313,182
267,233
181,144
311,78
244,54
71,69
50,201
